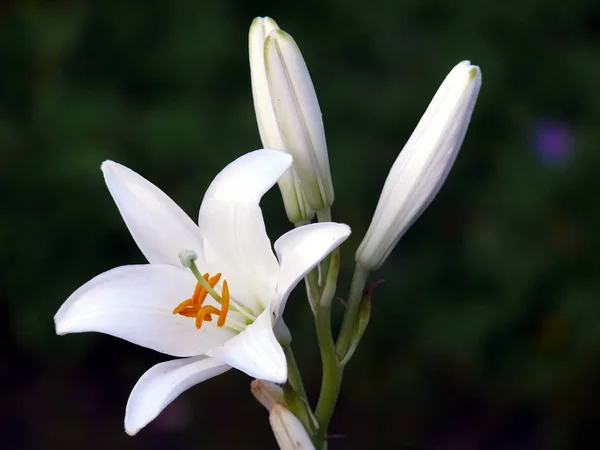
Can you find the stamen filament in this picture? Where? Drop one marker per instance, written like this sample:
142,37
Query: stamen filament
243,311
234,325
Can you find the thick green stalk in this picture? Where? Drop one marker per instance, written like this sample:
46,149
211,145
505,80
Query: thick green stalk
332,373
312,289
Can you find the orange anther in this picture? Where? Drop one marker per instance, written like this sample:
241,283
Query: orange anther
183,305
189,312
199,292
192,307
214,280
212,283
203,312
224,306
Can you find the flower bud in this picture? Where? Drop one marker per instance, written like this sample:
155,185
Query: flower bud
267,393
288,430
298,117
296,208
422,166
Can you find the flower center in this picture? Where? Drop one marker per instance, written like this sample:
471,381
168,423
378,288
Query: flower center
193,306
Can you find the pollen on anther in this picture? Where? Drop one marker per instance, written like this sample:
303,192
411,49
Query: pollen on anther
193,307
225,305
199,292
183,305
203,312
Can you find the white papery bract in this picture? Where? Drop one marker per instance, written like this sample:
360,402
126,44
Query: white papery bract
288,430
296,207
297,114
137,302
423,164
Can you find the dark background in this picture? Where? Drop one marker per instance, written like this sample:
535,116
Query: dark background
486,334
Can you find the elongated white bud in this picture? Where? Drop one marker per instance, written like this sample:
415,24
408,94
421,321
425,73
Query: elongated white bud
296,207
267,393
298,117
423,164
288,430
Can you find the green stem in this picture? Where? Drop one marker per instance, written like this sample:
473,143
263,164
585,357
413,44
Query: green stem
312,289
357,289
332,375
332,372
294,377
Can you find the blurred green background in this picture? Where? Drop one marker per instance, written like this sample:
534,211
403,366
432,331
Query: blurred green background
486,334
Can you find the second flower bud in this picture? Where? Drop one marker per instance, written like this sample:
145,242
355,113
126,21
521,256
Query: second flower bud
291,97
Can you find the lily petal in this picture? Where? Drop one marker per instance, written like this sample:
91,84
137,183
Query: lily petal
159,227
136,303
300,250
232,225
255,351
162,384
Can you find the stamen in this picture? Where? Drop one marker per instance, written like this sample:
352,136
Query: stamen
204,283
224,305
189,312
212,283
183,305
199,292
203,312
192,307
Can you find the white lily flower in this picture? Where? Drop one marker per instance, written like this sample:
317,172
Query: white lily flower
423,165
288,430
298,116
296,207
139,303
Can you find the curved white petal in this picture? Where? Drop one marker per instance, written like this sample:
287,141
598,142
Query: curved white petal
232,225
255,351
159,227
162,384
300,250
136,303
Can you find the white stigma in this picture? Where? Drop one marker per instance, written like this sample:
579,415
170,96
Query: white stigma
187,257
